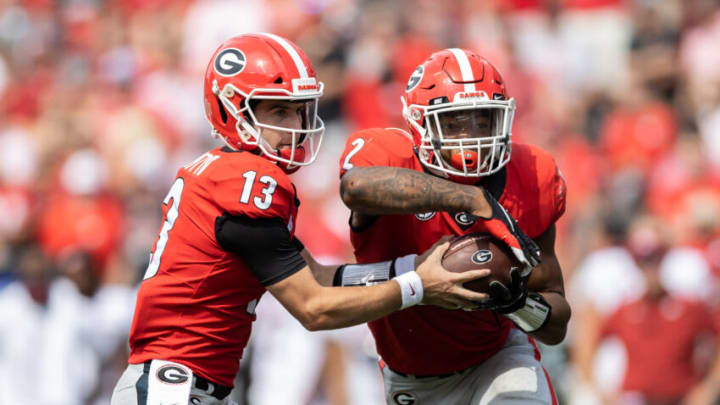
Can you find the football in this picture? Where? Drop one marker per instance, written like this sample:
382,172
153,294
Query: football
480,251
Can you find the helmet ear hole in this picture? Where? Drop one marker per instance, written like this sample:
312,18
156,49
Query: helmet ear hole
279,80
252,105
223,113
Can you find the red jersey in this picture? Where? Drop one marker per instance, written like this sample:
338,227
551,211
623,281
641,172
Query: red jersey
427,340
660,339
197,302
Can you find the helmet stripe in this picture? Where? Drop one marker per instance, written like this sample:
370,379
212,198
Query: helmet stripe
302,70
465,69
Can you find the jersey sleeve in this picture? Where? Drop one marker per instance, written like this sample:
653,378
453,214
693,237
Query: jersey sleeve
377,147
256,190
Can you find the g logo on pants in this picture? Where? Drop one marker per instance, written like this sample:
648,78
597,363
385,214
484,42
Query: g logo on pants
403,398
172,375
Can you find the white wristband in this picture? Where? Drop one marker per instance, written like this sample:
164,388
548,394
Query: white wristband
533,316
404,264
411,289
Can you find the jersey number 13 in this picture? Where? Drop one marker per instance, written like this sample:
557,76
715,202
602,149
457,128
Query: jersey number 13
174,196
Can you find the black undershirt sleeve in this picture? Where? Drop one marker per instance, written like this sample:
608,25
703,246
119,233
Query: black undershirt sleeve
264,244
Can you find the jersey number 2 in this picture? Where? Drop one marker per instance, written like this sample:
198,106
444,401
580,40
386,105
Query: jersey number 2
173,196
357,145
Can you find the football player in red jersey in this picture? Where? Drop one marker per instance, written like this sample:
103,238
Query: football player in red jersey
227,237
452,174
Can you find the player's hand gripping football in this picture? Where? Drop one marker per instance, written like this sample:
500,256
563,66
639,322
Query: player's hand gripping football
503,226
506,299
443,288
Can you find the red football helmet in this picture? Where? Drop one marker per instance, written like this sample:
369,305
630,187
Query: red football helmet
459,115
254,67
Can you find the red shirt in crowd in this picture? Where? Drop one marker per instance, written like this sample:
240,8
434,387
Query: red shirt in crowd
660,339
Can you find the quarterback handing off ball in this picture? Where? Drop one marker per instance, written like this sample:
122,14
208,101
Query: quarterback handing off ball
480,251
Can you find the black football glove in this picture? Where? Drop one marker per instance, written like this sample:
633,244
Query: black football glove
506,299
502,226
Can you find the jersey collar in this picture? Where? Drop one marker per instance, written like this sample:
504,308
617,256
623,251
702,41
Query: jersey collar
495,183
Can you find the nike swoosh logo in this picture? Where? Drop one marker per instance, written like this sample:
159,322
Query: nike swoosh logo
412,291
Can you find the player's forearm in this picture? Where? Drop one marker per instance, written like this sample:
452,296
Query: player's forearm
342,307
323,274
547,280
392,190
319,308
555,329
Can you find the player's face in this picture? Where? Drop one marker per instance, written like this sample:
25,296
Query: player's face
282,113
465,124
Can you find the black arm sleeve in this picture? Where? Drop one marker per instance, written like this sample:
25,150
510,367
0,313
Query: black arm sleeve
264,243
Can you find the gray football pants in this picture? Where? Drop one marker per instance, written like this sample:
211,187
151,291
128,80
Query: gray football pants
513,376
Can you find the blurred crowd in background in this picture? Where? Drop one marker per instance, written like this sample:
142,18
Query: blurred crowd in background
101,103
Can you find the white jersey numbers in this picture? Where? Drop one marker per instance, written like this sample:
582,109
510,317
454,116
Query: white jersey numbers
263,202
358,144
172,199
